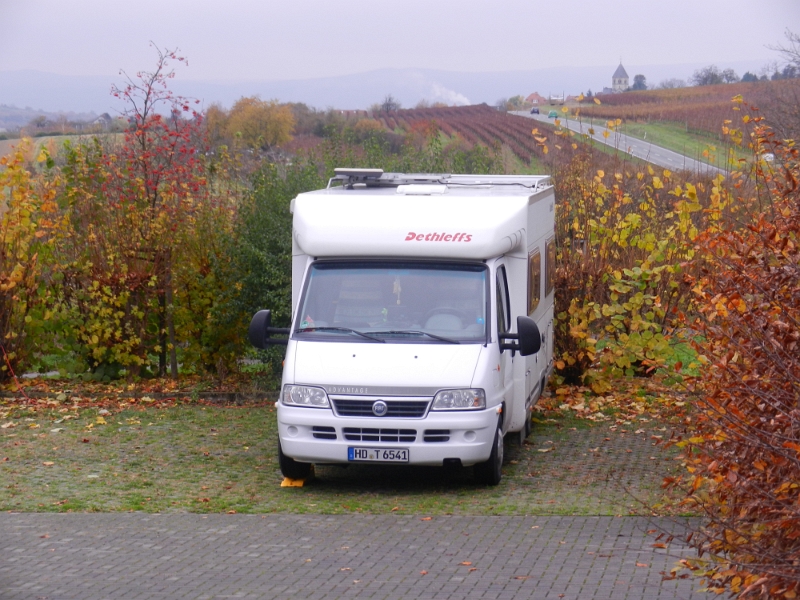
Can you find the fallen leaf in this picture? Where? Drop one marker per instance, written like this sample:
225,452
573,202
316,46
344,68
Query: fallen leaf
550,449
345,569
466,563
231,512
85,440
473,569
426,518
522,577
659,545
423,572
8,425
638,564
48,463
396,508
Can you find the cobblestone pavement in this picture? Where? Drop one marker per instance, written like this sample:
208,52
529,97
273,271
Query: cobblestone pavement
131,556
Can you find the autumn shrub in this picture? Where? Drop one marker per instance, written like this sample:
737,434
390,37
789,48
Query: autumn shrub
127,203
28,217
743,451
203,272
624,241
254,270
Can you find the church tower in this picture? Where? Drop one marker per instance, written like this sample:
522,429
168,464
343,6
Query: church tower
619,80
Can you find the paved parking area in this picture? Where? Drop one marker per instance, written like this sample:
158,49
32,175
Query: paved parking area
131,556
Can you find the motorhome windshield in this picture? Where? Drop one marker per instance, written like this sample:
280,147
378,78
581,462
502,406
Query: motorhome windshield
394,302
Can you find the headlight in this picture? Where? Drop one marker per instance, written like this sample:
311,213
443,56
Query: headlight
301,395
459,400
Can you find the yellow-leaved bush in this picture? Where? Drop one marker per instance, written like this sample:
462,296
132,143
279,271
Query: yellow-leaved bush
27,216
625,239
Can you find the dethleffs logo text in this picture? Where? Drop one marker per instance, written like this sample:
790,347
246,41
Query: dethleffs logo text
438,237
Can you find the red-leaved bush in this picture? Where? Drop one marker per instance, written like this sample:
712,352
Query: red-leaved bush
743,455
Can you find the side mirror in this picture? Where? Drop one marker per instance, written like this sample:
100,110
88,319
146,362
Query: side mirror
260,329
526,341
530,340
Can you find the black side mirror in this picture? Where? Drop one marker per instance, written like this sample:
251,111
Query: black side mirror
260,329
530,340
526,341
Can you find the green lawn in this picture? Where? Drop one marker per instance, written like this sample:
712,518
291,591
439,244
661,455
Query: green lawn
674,136
193,458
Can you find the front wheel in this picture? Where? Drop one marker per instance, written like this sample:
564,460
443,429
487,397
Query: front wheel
491,471
292,468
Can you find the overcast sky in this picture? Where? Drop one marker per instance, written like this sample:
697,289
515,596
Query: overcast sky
239,40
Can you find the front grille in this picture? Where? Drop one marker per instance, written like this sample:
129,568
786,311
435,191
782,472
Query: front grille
408,409
436,435
370,434
324,433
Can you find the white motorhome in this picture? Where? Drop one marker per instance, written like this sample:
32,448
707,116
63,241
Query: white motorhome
422,327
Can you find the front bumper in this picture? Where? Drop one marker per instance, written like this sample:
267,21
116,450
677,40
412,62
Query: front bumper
318,436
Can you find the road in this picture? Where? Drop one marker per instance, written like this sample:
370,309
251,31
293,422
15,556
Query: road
129,556
633,146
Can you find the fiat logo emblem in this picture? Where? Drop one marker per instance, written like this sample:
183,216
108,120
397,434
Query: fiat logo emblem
379,408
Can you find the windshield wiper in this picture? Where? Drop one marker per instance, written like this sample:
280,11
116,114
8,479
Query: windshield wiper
413,332
344,329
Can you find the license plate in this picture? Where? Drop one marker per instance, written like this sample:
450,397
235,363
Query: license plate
377,454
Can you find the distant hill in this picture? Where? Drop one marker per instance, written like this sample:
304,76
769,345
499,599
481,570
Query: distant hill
50,92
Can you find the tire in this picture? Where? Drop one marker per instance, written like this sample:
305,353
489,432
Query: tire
291,468
491,471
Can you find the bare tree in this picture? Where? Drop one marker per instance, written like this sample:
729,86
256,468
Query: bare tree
710,75
671,84
782,105
729,76
790,51
390,103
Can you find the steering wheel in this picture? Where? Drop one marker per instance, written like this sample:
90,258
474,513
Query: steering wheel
446,310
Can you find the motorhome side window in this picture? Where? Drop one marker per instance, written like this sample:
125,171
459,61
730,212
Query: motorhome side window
534,280
503,311
550,266
394,302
